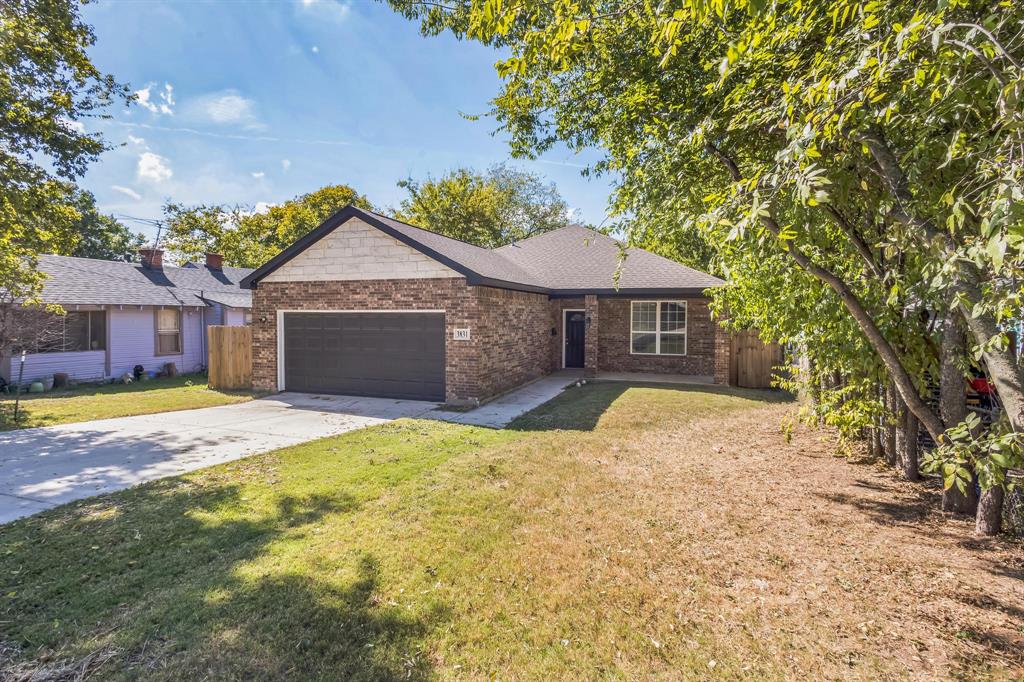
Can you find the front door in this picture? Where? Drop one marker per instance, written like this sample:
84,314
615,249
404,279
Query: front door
575,337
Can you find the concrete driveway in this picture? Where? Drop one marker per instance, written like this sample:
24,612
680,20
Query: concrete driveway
44,467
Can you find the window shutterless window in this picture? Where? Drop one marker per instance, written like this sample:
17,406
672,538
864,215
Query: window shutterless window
75,331
657,328
168,331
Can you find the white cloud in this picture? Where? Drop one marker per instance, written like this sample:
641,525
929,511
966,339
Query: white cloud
74,126
127,191
160,103
315,49
335,10
285,165
227,107
153,167
259,207
258,175
137,141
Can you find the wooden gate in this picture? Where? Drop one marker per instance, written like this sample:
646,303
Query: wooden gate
230,357
752,360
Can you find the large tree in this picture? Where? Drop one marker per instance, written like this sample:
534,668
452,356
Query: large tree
488,209
102,236
248,238
48,86
872,147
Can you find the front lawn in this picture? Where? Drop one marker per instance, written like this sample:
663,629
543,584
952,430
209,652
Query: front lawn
86,401
616,532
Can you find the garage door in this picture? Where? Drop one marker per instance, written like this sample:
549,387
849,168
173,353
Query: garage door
385,355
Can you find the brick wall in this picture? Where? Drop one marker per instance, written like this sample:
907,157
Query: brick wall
723,355
514,328
613,341
508,329
592,336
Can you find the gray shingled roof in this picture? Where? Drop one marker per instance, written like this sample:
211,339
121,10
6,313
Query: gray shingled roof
87,281
571,260
484,262
577,258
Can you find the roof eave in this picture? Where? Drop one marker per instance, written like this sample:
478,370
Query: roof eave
623,292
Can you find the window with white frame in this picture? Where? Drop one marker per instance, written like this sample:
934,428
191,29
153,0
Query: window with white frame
657,328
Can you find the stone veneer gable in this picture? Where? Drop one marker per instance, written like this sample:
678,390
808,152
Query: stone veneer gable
357,251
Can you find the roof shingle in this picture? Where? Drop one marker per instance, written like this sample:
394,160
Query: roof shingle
88,281
571,260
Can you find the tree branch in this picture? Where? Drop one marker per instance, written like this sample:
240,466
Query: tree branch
858,242
853,305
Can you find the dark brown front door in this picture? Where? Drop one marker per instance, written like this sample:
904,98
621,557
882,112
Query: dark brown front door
385,355
575,337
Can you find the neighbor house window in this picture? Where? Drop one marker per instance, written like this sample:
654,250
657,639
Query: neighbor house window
657,328
74,331
168,331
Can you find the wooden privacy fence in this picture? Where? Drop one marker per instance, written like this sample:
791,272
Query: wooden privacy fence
752,360
230,357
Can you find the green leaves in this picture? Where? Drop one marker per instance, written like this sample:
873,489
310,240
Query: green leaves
488,209
47,83
245,237
882,137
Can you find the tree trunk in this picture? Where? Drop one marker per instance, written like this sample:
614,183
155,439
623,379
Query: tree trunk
910,464
1002,367
877,452
989,520
875,338
953,405
891,398
900,433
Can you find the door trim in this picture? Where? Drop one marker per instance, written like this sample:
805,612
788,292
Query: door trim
280,332
564,325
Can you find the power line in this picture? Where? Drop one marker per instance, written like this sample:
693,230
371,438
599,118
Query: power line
153,222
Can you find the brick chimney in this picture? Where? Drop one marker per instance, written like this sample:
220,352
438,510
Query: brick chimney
152,258
214,261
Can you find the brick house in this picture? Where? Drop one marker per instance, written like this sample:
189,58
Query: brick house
368,305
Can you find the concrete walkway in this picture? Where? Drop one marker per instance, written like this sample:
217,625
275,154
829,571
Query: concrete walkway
44,467
499,412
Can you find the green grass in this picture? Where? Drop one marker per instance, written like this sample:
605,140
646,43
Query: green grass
86,402
617,532
391,552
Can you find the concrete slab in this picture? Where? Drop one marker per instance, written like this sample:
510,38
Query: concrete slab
44,467
499,412
645,378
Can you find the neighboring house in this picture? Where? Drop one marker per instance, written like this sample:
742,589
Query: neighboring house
120,315
368,305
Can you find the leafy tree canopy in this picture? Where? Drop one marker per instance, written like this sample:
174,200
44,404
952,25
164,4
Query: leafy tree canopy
488,209
102,236
856,166
246,238
47,86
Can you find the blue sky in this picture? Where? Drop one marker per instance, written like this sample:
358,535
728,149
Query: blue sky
256,102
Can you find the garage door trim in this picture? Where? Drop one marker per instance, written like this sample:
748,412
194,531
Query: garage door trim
280,328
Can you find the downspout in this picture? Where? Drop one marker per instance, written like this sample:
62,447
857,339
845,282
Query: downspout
202,321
